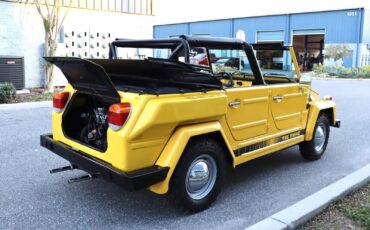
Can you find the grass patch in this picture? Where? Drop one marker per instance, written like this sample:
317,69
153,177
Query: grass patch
360,214
37,97
33,96
356,211
352,212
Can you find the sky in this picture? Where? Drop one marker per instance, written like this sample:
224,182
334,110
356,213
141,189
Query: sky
175,11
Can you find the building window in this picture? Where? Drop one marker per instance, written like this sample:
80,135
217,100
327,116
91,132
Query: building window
131,6
119,5
143,6
112,5
90,4
97,4
105,5
137,6
124,6
83,4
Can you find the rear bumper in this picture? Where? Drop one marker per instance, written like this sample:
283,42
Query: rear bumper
135,180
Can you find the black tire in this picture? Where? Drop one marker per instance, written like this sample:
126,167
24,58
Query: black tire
199,149
314,149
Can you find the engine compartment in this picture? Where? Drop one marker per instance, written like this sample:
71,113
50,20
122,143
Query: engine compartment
85,120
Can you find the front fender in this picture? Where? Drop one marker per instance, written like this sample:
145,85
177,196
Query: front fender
316,107
171,154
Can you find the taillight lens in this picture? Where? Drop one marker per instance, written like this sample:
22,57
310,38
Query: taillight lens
118,114
60,100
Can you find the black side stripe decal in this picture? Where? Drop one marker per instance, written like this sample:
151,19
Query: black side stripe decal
268,142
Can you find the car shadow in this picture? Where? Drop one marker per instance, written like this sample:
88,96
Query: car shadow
263,166
104,203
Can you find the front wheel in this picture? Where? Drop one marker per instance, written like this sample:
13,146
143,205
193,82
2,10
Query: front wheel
197,179
315,148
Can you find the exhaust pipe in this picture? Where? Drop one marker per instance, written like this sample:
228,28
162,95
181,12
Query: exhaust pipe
82,178
62,169
73,180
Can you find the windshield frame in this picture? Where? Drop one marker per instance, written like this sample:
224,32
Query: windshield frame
279,46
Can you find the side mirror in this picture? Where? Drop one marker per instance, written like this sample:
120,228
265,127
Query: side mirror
305,79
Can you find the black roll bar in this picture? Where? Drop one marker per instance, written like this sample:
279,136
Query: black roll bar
185,42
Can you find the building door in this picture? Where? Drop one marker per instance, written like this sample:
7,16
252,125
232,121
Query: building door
309,46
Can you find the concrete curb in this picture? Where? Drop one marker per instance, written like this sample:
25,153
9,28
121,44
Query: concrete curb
304,210
26,105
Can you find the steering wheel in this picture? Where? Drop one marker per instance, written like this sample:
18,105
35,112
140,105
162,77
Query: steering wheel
227,75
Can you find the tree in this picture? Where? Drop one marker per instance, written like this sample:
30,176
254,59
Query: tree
53,19
337,51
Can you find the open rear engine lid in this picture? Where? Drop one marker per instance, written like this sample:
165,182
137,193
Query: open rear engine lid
85,76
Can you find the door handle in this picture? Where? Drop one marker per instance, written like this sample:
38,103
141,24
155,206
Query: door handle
278,98
234,104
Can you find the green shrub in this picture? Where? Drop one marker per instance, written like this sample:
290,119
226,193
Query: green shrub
343,72
330,70
318,68
363,72
366,69
7,92
355,71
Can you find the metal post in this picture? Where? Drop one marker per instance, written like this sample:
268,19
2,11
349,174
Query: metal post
321,48
305,51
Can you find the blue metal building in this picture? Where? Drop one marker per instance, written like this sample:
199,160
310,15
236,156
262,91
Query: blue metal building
310,33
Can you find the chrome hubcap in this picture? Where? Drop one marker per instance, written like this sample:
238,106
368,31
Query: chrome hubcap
320,136
201,177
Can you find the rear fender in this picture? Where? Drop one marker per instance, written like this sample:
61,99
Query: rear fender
171,154
317,107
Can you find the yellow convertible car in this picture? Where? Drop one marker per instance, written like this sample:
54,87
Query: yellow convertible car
149,117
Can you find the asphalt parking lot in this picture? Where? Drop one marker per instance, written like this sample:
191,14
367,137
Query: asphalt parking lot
32,198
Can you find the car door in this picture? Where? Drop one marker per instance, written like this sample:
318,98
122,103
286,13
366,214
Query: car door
248,110
289,105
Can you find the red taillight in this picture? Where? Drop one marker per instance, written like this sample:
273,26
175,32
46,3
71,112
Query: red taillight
60,100
203,61
117,115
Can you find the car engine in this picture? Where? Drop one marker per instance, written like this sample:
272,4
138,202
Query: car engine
95,132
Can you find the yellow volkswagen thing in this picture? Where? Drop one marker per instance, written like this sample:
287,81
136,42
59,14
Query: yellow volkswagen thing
170,114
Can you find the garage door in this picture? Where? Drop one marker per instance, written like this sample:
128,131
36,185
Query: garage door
270,36
309,32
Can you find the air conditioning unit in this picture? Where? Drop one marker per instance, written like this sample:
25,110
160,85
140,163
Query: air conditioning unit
12,70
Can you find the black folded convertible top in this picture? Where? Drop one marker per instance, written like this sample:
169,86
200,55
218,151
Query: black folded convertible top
156,73
152,75
103,76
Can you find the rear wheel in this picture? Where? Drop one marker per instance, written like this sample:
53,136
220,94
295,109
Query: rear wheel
197,179
315,148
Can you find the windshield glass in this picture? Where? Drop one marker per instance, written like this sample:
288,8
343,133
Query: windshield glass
276,63
226,60
141,53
